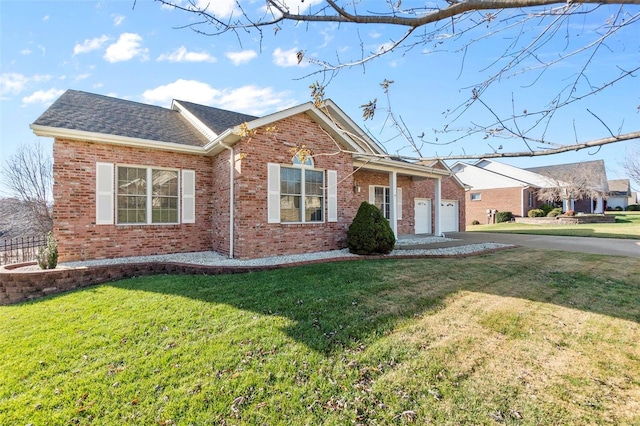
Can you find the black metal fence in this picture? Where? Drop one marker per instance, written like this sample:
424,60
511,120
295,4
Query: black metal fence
22,249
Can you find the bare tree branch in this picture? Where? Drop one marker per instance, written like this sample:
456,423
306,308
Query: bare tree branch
528,26
29,174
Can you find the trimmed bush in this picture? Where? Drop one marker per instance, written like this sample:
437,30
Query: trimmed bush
546,208
503,217
48,255
633,208
555,212
536,213
475,222
370,232
618,209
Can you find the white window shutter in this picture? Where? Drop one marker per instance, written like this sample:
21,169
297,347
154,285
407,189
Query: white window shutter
188,196
273,193
104,193
399,204
372,194
332,196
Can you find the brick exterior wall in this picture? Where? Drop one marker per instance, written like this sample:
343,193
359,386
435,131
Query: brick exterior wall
254,236
74,204
412,189
79,238
500,199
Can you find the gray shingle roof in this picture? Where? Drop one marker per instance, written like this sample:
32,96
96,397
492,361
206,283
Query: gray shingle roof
593,170
621,186
89,112
216,119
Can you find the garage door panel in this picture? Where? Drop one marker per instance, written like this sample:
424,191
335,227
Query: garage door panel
449,216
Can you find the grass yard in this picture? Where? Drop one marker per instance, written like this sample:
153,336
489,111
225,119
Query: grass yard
627,226
522,336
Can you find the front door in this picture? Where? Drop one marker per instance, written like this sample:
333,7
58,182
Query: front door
422,209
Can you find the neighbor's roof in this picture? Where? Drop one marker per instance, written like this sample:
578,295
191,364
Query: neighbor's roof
88,112
593,170
620,186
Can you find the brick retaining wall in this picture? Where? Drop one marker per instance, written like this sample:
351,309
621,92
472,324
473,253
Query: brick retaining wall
566,220
19,285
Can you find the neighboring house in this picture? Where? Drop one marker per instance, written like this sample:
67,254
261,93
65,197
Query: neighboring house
590,173
501,187
620,194
136,179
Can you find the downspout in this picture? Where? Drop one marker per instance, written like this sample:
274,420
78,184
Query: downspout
231,195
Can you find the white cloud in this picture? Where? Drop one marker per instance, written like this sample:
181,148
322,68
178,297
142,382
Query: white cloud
13,83
254,100
294,6
26,51
117,19
45,18
42,96
90,45
241,57
188,90
181,55
82,76
247,99
219,8
128,46
384,47
287,58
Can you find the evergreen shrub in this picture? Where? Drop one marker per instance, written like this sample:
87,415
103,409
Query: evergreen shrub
503,217
370,232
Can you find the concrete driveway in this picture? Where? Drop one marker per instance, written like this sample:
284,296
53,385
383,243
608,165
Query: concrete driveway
612,246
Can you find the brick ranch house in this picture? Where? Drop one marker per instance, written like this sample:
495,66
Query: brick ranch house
137,179
492,185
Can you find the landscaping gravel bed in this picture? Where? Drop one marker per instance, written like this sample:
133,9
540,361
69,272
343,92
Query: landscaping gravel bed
212,258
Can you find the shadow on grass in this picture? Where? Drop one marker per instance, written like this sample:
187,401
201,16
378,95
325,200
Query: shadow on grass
338,305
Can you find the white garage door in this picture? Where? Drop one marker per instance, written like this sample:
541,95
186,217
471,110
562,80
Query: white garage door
449,216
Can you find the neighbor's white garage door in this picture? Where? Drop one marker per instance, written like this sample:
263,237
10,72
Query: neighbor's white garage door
449,216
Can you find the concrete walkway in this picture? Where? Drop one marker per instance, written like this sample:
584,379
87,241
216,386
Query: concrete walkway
611,246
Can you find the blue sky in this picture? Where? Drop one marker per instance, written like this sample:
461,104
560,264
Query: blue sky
137,53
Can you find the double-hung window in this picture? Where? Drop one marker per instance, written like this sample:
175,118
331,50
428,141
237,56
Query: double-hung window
301,195
297,194
143,195
146,195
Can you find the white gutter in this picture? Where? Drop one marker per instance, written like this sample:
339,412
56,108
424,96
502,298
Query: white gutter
115,139
231,195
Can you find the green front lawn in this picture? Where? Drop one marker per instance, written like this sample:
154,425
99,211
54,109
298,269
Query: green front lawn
520,336
627,226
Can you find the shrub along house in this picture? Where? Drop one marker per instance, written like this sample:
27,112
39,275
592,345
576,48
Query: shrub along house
136,179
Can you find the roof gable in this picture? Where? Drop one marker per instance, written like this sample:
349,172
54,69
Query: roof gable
517,173
216,119
479,178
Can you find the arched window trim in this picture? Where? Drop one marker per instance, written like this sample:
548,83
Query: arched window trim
308,161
